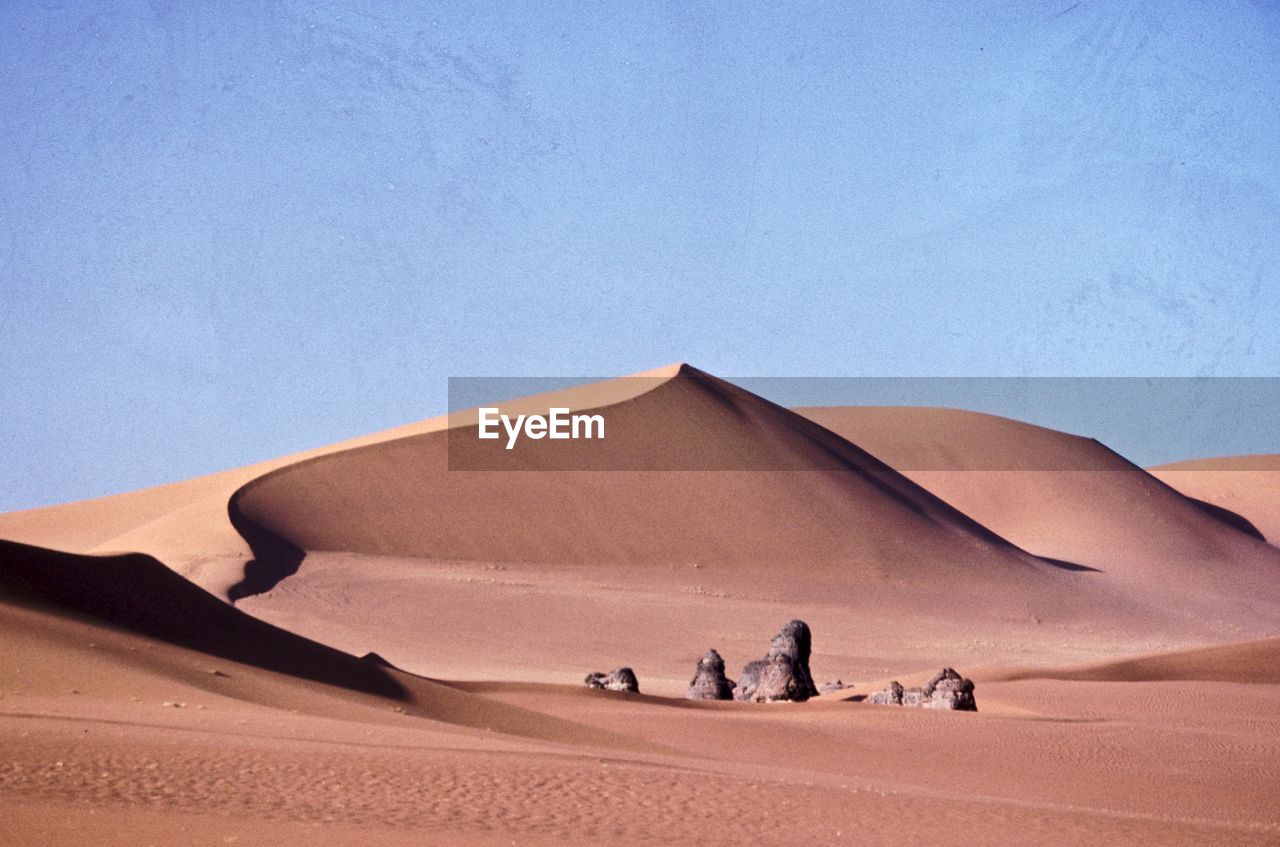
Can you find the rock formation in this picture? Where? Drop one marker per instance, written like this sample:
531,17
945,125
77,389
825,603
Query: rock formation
709,681
783,674
748,679
796,641
891,696
618,679
945,690
775,677
948,690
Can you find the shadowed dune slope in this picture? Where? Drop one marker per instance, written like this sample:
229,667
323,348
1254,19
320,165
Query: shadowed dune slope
1248,486
1066,497
1255,662
117,625
776,489
139,594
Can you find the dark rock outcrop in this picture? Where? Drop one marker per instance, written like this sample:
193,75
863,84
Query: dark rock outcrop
945,690
948,690
749,679
796,641
709,681
777,677
891,696
783,674
618,679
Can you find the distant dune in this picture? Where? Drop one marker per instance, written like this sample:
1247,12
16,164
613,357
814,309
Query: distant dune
1254,662
1066,497
1245,485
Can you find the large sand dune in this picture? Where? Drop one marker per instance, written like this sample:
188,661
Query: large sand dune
711,475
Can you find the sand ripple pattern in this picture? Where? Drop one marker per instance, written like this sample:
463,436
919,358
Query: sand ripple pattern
596,801
543,796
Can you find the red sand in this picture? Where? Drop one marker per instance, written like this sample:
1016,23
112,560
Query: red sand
139,708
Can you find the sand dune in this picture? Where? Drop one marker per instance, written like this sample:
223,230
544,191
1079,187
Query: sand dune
1067,497
781,492
1245,485
183,524
831,505
1252,662
55,604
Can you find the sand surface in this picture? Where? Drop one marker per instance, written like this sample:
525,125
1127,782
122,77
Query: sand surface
1120,628
1247,485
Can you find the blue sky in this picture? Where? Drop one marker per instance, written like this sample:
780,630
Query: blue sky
230,231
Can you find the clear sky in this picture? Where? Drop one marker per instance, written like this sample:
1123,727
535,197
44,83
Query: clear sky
233,230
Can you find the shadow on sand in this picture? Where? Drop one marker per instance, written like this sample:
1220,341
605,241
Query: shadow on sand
138,594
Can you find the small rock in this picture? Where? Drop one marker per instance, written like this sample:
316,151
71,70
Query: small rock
709,681
945,690
618,679
891,696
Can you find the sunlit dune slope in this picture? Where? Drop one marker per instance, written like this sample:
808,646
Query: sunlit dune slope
184,524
